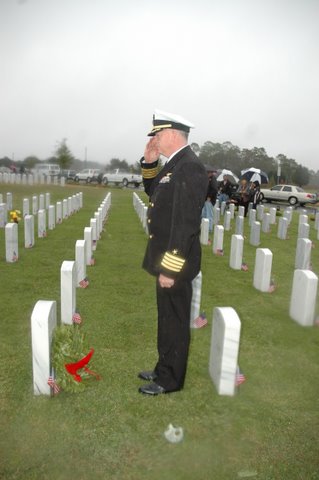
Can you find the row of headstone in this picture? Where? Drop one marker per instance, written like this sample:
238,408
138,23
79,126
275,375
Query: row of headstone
55,215
64,208
30,179
225,337
226,324
141,210
44,315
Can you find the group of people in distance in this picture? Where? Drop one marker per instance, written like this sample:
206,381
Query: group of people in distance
224,191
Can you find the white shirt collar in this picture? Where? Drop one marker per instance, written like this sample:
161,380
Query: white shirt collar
173,154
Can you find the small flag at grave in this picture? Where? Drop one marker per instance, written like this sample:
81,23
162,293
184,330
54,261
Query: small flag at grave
272,286
92,261
244,267
200,321
53,385
84,283
240,377
14,257
77,318
219,252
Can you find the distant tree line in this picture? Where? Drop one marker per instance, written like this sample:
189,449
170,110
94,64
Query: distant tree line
218,155
229,156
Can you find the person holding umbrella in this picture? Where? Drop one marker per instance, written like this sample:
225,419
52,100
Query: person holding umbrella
244,192
255,193
225,190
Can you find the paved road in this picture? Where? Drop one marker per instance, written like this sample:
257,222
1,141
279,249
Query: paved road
311,209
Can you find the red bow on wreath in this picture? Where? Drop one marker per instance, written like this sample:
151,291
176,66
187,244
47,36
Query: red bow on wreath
73,368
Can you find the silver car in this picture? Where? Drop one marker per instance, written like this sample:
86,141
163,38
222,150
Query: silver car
287,193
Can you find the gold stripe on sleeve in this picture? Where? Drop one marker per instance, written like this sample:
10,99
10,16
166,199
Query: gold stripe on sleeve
172,262
149,172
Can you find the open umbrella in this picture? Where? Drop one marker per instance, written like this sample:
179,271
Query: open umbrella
230,175
252,174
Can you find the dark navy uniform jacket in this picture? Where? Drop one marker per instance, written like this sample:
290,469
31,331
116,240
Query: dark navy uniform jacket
176,198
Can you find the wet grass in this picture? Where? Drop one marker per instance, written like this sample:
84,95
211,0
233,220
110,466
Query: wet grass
269,430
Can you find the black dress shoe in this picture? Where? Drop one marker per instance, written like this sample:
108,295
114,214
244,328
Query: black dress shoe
152,389
149,375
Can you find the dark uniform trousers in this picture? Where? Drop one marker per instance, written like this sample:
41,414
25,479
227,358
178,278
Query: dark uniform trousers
173,338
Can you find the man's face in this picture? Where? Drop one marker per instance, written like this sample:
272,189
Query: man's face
163,139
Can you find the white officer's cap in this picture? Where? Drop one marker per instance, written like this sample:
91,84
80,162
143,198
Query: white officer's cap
163,120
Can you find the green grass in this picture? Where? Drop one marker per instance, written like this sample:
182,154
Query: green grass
110,431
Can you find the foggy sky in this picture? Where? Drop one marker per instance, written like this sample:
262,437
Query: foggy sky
93,71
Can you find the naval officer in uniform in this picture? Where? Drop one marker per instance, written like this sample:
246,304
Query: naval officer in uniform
177,194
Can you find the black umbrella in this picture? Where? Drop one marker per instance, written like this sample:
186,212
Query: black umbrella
252,174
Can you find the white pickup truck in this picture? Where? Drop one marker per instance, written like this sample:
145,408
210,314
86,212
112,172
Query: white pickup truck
120,177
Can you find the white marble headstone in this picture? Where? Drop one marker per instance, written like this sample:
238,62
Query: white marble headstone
204,232
65,208
260,212
3,215
88,237
303,297
41,202
68,293
241,211
232,210
254,238
227,219
303,230
42,223
303,253
34,205
262,271
196,298
28,231
224,349
93,225
222,208
26,207
216,214
43,323
11,240
97,216
218,238
236,252
59,212
80,260
47,200
282,228
265,225
252,216
239,228
272,212
9,201
51,215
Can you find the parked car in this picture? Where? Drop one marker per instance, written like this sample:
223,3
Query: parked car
69,175
47,169
88,175
121,177
287,193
